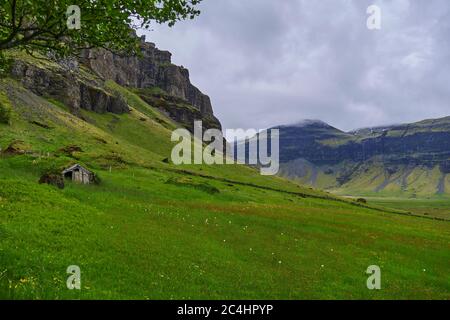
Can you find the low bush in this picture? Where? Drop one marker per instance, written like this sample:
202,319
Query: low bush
52,179
187,182
5,110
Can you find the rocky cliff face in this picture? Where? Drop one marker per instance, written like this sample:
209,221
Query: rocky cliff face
71,88
320,143
81,84
154,69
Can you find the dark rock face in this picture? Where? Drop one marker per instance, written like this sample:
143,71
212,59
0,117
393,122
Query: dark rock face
180,110
129,71
322,144
81,84
153,69
69,88
445,167
97,100
44,82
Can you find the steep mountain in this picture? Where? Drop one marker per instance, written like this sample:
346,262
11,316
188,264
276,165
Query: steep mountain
412,159
157,81
83,83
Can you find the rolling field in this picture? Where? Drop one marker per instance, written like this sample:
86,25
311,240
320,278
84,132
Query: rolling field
152,230
433,207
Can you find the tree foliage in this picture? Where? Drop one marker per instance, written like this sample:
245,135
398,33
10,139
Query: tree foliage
41,25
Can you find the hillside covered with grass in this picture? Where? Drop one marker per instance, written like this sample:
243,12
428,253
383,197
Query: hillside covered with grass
152,230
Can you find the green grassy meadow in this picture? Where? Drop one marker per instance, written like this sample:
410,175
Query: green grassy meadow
152,230
431,207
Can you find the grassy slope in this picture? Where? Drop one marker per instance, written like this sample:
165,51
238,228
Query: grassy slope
137,236
438,206
419,182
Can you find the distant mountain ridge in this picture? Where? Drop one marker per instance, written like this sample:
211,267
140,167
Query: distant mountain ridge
406,158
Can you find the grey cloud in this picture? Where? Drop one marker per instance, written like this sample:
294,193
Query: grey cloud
266,62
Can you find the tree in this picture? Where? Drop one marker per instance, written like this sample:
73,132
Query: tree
42,25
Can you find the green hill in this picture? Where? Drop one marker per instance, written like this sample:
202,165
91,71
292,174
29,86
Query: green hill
153,230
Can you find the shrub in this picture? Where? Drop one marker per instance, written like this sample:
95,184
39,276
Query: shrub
97,179
187,182
361,200
5,65
5,113
53,179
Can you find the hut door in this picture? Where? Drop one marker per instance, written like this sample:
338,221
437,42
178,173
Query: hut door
68,175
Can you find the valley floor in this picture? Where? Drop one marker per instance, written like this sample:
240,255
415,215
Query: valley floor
433,207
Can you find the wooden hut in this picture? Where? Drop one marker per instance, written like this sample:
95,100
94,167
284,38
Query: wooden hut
79,174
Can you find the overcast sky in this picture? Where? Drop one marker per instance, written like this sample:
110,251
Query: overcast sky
271,62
